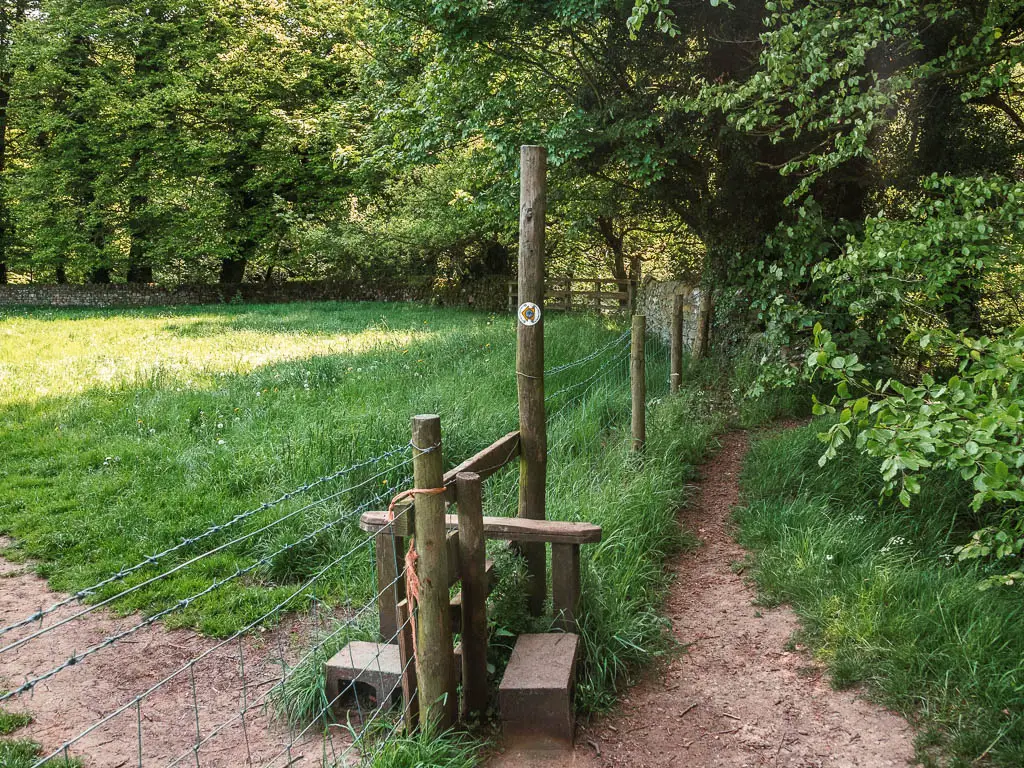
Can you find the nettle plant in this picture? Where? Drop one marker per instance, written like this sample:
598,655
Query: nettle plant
969,423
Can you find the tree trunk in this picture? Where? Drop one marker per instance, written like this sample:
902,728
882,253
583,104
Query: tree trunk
100,276
616,245
6,34
232,271
139,268
702,339
61,275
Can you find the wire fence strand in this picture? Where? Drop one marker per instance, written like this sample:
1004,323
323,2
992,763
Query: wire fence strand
184,543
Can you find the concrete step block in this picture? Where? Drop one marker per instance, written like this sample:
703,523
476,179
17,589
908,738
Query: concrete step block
536,695
374,665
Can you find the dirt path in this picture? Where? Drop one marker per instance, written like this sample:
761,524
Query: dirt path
70,702
737,698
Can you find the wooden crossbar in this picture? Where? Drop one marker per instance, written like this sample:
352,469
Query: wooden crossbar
501,528
486,463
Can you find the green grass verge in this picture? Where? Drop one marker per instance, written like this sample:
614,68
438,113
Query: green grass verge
21,753
881,599
12,721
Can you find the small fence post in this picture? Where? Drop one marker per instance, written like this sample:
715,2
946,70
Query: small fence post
702,339
435,660
676,332
638,382
390,583
597,297
568,292
472,560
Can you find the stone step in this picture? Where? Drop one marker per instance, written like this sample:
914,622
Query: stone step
536,695
374,665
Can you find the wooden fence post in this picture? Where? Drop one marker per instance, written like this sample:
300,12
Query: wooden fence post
702,337
597,298
676,333
472,560
411,713
533,462
638,382
390,583
435,660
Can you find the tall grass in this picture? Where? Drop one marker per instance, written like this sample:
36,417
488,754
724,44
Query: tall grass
882,600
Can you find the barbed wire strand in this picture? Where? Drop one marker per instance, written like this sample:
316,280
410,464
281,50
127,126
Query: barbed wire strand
301,589
182,604
212,530
586,359
181,566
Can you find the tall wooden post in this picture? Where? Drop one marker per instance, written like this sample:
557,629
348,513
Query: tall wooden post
472,562
676,333
638,382
533,461
435,660
597,297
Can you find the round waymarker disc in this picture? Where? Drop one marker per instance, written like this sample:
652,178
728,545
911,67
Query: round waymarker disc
529,313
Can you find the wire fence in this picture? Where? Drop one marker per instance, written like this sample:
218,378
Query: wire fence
222,692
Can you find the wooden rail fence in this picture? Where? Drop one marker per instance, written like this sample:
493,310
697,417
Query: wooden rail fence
569,294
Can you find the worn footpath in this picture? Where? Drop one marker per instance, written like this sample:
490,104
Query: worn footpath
740,695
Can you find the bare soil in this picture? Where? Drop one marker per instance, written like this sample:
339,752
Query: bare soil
195,701
739,697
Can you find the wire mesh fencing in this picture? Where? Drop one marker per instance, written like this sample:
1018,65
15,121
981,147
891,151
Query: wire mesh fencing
119,690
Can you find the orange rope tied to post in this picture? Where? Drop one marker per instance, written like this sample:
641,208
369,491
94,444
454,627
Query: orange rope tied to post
412,582
407,494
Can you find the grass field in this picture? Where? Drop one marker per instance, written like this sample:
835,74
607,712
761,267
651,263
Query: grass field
124,432
883,600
